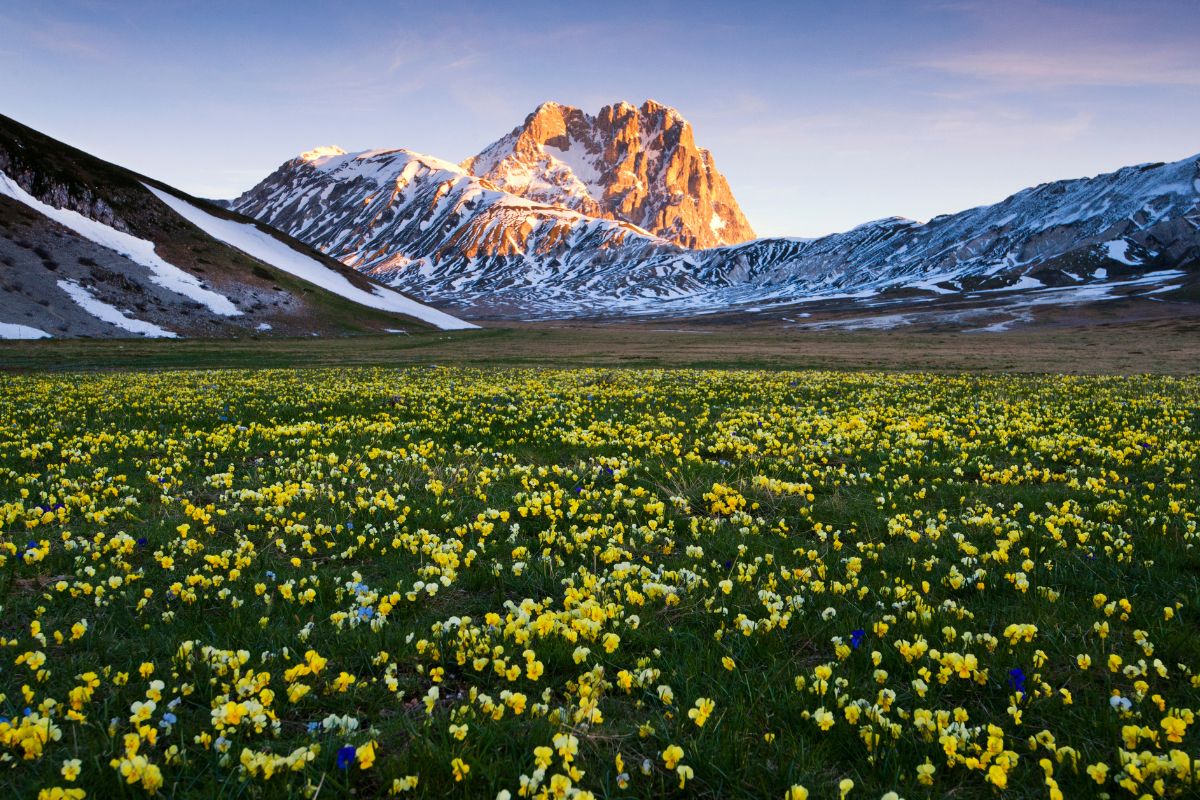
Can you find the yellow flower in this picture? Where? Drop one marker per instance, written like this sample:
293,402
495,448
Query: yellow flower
699,714
61,793
672,756
1098,772
365,755
1175,728
152,779
796,792
460,768
71,768
844,787
405,784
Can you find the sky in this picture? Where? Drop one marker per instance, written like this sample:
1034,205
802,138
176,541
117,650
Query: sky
822,115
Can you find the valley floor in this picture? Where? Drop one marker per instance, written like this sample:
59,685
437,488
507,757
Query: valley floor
1079,344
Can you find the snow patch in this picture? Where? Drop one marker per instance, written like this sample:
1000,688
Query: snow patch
141,251
266,248
111,314
11,330
263,326
1118,250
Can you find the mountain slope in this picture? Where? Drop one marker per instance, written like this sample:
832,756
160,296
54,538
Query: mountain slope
1135,220
88,248
640,165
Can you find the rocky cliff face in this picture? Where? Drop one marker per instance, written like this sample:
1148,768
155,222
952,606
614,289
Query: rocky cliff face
639,165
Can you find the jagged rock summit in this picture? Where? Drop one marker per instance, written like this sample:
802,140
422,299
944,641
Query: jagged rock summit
635,164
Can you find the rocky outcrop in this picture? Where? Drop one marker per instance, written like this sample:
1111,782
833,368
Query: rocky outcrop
639,165
81,199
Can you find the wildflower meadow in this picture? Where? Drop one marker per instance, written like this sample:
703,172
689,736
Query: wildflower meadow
435,582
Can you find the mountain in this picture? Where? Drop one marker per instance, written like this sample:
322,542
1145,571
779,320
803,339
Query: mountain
442,234
412,219
640,165
1138,219
88,248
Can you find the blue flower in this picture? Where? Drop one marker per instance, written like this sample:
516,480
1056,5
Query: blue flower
142,541
1016,679
270,575
312,727
345,757
349,526
856,637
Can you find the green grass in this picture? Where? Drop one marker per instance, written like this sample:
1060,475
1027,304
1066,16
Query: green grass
373,479
1161,347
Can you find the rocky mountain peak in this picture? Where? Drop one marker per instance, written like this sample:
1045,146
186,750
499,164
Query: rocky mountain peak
635,164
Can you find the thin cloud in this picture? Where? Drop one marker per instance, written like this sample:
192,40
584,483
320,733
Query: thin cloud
1034,70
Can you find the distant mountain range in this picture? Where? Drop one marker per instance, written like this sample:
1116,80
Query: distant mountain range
91,249
571,215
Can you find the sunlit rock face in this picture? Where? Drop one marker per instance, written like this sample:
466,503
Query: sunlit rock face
639,165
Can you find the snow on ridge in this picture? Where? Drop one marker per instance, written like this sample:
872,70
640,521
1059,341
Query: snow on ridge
250,240
371,162
141,251
111,314
11,330
322,151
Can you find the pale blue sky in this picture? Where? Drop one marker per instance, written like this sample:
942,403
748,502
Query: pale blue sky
822,115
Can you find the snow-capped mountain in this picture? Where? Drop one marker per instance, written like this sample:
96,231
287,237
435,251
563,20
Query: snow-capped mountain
430,228
412,219
88,248
640,165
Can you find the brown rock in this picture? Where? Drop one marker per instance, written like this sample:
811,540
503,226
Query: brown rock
638,165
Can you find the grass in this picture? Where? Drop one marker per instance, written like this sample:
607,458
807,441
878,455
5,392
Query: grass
1159,347
852,516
